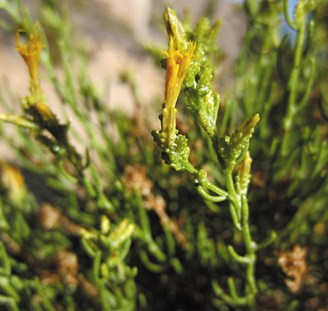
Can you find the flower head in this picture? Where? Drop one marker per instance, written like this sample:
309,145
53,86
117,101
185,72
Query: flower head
178,59
177,64
31,52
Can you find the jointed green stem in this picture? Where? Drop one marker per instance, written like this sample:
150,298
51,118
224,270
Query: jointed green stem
234,200
209,197
240,215
250,246
215,189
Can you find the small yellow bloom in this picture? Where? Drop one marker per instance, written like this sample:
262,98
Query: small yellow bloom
31,52
177,64
12,184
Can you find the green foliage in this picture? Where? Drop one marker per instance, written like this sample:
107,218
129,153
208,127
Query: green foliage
232,149
109,226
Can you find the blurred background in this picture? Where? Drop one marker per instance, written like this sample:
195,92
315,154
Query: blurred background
114,35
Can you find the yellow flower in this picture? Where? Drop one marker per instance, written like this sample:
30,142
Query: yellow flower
177,64
31,52
12,184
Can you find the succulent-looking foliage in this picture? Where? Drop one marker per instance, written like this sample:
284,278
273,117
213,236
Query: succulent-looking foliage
114,228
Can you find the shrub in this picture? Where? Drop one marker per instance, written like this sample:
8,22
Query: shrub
237,222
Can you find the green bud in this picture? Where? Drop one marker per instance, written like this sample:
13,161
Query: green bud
208,113
206,33
174,29
205,80
232,149
243,174
205,108
121,233
195,66
177,156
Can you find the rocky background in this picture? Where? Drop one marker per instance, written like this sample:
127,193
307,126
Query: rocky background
115,34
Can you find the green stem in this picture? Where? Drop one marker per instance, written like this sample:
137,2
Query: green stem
19,121
253,7
309,85
228,299
240,259
209,197
202,183
189,167
289,20
292,87
234,200
272,236
215,189
250,246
